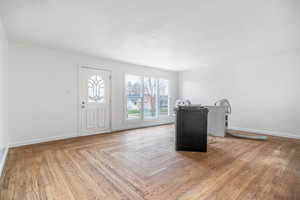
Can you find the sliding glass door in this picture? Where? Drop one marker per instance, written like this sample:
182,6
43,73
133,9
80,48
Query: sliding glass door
146,97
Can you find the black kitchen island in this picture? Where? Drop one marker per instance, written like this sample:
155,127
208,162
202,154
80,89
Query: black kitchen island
191,128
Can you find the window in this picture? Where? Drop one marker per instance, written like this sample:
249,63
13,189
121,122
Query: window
150,97
163,97
134,96
147,97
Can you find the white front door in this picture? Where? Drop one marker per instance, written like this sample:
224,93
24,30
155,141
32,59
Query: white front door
94,101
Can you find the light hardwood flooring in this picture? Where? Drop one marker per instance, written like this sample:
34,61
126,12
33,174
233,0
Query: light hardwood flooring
142,164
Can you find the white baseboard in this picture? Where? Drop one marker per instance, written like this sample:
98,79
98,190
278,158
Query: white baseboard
49,139
267,132
130,127
2,162
41,140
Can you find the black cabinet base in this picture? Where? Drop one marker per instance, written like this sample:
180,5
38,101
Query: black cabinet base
193,150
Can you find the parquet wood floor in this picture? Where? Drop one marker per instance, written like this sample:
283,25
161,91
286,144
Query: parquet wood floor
142,164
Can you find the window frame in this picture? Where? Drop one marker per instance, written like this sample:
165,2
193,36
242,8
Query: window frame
142,118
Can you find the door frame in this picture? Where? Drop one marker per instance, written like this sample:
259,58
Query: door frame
79,78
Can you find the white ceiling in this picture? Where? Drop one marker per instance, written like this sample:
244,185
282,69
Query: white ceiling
169,34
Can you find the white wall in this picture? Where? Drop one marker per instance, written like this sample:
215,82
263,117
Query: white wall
3,91
43,93
264,92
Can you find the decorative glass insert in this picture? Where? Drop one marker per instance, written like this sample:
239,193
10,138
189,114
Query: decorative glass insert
95,89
